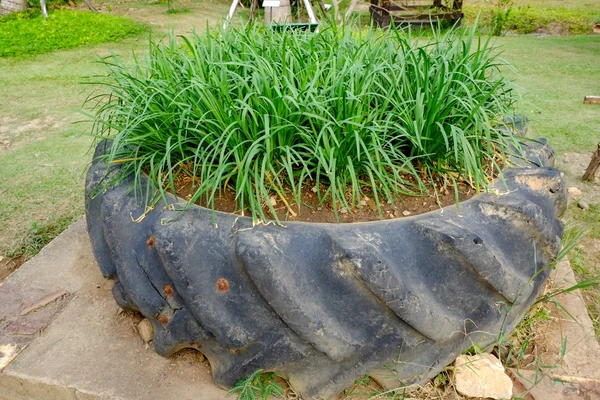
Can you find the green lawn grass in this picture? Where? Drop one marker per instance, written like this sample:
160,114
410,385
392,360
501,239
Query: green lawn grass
555,73
27,33
540,16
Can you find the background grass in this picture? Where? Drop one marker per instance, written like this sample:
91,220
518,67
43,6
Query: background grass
29,33
540,16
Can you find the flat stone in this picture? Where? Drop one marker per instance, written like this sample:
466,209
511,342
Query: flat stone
572,373
146,330
482,375
25,311
541,385
582,353
87,350
574,192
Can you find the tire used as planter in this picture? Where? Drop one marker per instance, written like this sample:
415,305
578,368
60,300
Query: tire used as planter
324,304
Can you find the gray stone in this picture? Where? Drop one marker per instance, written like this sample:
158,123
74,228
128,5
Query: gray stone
146,330
583,205
574,192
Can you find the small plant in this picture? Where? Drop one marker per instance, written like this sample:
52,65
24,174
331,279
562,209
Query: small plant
40,233
259,385
501,10
346,114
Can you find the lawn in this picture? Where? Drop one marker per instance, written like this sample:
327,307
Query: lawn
539,16
29,33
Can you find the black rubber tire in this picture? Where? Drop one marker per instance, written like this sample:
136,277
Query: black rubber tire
327,303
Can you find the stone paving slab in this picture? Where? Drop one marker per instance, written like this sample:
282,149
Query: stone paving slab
85,350
576,373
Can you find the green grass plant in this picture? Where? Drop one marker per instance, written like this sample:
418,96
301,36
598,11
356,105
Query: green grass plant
525,17
29,33
345,113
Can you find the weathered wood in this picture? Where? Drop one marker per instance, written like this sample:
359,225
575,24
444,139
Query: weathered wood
351,7
90,5
253,7
281,14
591,100
590,172
8,6
424,12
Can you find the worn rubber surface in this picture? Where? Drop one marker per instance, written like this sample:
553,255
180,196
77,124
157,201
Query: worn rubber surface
327,303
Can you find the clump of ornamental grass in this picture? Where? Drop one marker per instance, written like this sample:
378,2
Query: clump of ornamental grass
343,112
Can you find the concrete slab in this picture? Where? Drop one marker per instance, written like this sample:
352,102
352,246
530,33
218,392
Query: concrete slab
572,373
573,325
87,350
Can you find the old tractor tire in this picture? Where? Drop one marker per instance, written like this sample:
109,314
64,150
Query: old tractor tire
324,304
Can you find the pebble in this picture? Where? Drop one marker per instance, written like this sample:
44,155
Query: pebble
574,192
583,205
482,376
146,330
406,213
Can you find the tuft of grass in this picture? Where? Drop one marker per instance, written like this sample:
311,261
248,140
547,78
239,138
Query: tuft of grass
29,33
535,19
259,385
344,113
40,233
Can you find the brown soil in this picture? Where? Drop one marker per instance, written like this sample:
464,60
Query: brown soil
8,265
312,211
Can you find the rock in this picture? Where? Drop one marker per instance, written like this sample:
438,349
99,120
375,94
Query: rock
574,192
583,205
406,213
146,330
200,357
482,376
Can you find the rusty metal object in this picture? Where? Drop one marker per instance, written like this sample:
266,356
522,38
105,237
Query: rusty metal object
423,13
